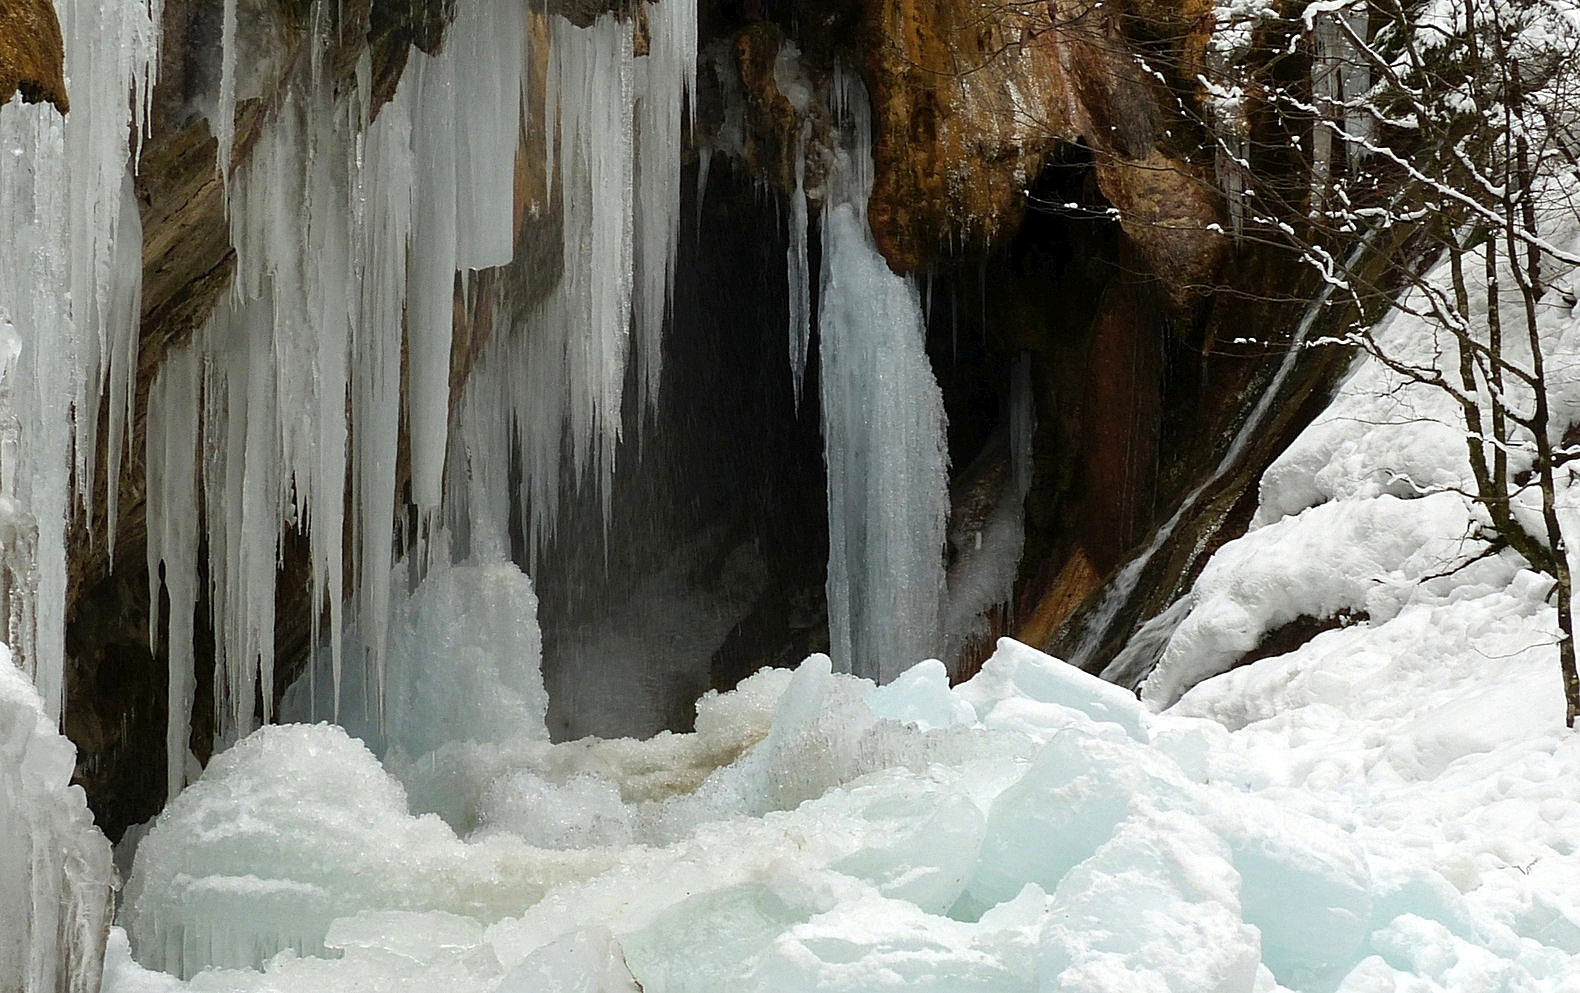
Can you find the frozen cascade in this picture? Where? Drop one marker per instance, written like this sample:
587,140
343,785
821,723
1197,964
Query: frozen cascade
68,293
345,230
883,429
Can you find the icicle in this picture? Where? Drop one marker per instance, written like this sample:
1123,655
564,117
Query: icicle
172,446
667,77
375,399
223,122
121,367
466,118
798,271
883,429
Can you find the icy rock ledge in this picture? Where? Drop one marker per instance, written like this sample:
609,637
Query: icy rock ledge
55,868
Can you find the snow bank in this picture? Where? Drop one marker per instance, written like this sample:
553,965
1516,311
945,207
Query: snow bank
55,867
1031,830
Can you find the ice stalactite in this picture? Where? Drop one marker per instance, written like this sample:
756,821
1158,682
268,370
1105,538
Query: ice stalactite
173,514
69,297
883,428
664,79
551,389
791,80
798,273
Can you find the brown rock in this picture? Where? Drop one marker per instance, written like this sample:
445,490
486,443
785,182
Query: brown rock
1167,209
32,55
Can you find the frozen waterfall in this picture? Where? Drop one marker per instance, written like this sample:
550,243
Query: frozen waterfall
883,429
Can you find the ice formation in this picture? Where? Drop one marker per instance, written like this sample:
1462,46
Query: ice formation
1033,829
883,427
464,665
352,239
550,389
55,868
70,271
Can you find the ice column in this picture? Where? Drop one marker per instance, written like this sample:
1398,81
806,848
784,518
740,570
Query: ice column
883,429
68,301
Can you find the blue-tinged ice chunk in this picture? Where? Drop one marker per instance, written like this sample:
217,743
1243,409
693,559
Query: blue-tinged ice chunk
1305,885
1153,909
930,842
875,944
1019,671
1078,790
920,695
713,941
585,961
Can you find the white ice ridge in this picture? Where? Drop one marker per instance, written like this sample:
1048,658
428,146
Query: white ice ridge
55,868
70,265
550,389
883,428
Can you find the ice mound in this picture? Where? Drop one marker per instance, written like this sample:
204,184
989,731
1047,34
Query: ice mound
1031,830
55,867
294,828
479,618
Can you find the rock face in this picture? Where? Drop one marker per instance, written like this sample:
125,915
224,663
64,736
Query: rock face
32,56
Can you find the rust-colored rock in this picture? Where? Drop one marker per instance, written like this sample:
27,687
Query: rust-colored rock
1170,211
32,55
970,98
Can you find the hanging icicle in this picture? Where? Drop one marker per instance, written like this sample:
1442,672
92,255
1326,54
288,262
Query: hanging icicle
69,297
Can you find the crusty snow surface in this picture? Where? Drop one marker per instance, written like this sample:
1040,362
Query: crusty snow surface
1394,806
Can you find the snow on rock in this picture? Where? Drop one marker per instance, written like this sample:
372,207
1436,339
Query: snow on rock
55,868
1371,557
1429,728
